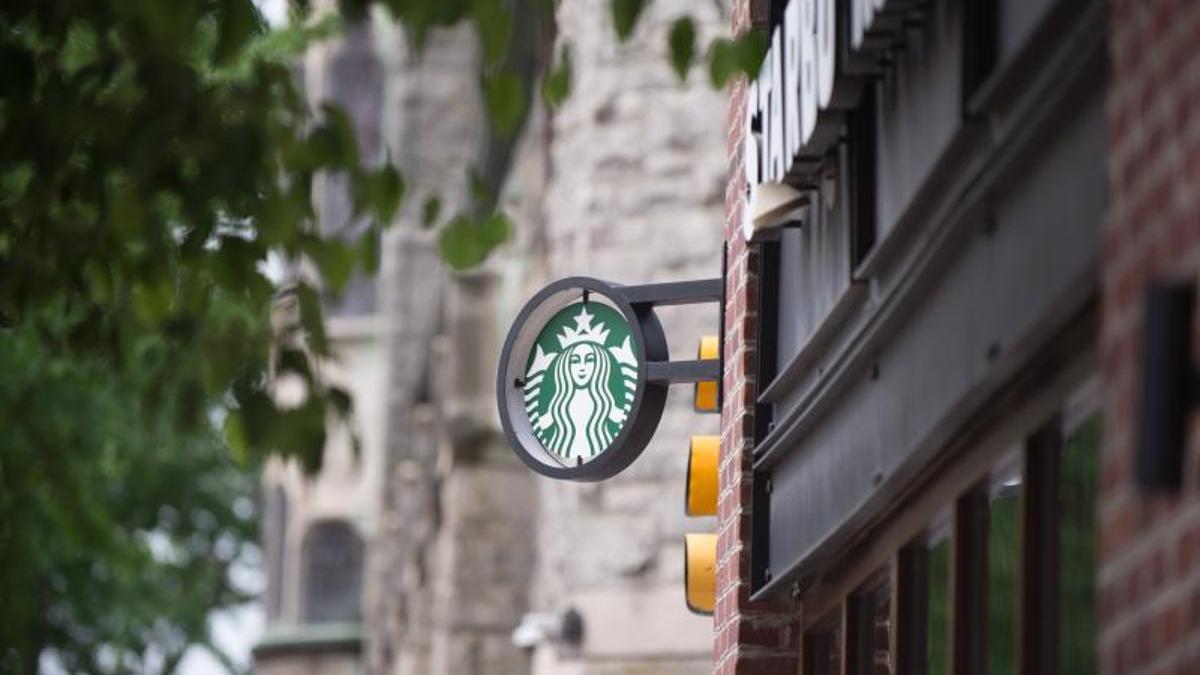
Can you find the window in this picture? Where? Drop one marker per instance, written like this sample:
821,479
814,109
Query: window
937,636
1077,492
332,571
1000,582
870,619
923,614
823,649
1003,564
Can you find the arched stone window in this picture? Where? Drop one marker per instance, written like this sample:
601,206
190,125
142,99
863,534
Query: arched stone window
332,564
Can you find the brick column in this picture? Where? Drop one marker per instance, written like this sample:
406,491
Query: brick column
1149,554
757,638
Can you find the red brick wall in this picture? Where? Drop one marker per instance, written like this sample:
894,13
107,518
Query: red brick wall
747,637
1149,577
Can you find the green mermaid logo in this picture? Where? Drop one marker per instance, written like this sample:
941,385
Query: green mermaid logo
580,381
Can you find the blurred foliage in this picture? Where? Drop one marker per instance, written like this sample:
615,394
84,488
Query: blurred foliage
152,157
118,527
742,55
682,42
625,14
156,161
556,85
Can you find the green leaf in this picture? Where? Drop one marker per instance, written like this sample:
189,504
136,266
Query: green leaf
341,400
381,191
238,21
461,244
682,44
722,62
79,49
752,49
505,96
743,55
335,260
126,211
494,23
237,438
354,10
430,211
556,85
153,301
333,142
312,319
481,192
14,181
302,432
625,14
495,230
368,249
295,361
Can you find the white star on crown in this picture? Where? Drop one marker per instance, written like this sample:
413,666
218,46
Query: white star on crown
585,332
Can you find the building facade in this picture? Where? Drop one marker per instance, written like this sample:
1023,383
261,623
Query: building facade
941,221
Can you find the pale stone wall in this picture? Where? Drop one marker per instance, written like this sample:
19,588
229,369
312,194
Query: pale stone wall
634,194
448,576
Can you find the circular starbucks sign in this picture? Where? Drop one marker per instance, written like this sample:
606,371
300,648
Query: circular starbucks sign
580,381
572,389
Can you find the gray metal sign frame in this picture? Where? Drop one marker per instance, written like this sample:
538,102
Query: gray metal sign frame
655,372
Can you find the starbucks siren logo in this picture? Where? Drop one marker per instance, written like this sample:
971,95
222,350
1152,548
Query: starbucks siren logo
580,381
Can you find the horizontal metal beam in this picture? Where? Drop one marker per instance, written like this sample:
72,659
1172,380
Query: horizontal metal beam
680,372
674,292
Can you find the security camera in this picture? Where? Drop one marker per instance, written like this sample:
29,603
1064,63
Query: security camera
537,628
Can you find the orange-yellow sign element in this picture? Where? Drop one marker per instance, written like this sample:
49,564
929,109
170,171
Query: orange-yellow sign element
706,392
700,572
703,458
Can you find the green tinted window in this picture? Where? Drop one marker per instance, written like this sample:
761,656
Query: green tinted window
937,636
1003,564
1077,549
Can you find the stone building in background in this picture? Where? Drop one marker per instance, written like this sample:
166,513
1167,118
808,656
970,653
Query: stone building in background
423,549
632,188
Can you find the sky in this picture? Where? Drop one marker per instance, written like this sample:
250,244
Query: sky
275,11
236,631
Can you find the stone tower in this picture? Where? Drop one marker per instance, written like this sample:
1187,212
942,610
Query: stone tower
422,553
633,193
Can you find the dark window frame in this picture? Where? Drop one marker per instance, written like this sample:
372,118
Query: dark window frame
981,47
1040,568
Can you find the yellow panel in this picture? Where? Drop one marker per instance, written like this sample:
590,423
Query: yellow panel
706,392
703,458
700,572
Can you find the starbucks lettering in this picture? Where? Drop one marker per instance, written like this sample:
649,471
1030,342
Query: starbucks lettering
793,109
583,376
